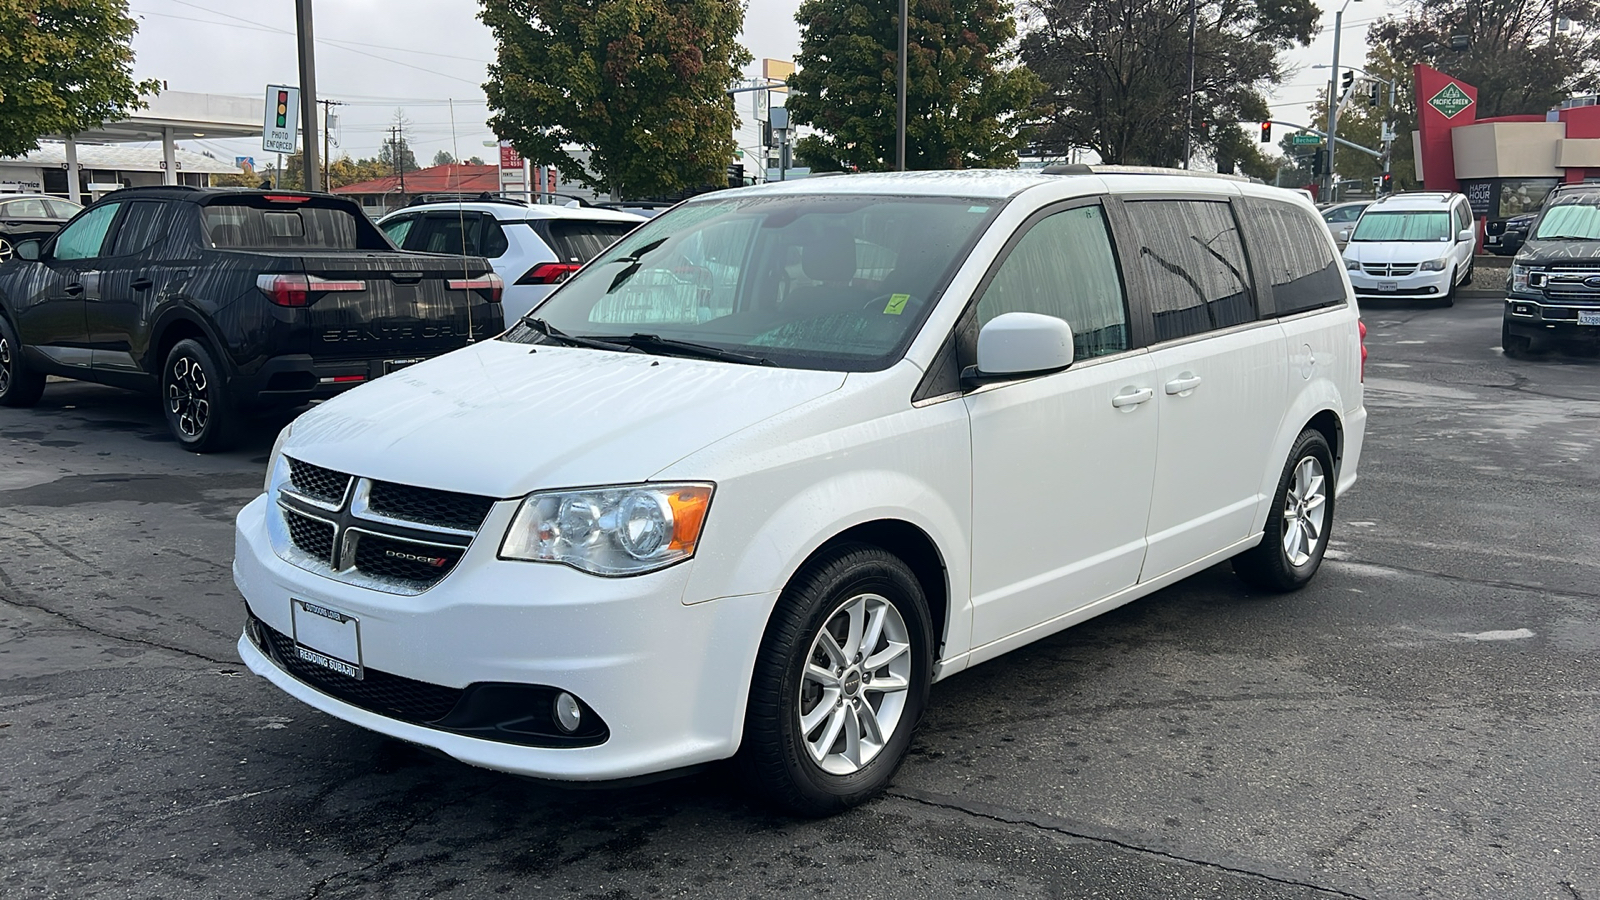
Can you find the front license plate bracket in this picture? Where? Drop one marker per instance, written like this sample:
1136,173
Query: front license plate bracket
327,637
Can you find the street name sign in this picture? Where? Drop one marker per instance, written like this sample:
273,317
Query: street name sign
282,120
1303,138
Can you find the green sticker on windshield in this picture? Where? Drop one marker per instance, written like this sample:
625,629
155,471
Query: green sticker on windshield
897,304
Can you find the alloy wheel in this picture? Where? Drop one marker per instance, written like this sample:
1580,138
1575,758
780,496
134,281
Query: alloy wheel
5,250
854,689
1304,511
5,365
188,396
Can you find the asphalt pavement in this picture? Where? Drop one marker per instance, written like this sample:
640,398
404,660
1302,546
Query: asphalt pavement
1419,722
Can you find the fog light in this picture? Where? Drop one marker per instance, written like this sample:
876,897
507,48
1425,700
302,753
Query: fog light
568,714
1433,290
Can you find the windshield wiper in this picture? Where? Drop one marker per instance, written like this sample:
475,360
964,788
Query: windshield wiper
653,343
556,335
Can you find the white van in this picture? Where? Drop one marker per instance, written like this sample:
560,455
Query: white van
760,473
1416,245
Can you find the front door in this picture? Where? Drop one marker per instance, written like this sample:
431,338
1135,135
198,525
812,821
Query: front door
1062,464
50,319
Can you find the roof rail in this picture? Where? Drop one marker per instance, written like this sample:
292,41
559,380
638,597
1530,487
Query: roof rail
462,197
1084,169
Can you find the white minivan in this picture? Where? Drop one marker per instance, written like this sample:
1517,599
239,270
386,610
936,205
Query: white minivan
1417,246
761,472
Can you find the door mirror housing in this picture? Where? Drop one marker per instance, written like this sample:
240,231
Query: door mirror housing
29,249
1019,344
1466,234
1344,234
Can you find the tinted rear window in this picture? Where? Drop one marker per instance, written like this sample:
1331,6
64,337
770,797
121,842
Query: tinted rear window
579,241
1294,255
253,223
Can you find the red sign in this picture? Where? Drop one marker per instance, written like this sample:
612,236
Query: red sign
509,157
1443,103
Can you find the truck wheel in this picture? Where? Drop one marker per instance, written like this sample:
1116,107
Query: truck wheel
194,397
1515,346
840,683
1297,530
19,386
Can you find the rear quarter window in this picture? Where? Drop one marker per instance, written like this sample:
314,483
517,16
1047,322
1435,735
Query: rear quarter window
1292,253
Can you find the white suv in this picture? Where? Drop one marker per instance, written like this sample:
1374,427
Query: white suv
1416,245
532,248
760,473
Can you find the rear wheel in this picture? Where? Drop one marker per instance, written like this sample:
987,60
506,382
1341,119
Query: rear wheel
1297,530
1515,346
19,386
840,683
194,397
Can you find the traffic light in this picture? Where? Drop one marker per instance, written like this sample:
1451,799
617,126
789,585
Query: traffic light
1266,132
283,109
1345,82
1385,183
1372,94
1319,162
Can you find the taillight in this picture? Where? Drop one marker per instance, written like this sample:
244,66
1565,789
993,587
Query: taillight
296,289
549,273
1362,328
494,284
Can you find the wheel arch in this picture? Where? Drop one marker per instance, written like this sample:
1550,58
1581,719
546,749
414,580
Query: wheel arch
912,546
174,326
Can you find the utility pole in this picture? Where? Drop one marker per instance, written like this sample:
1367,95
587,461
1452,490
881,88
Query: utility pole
327,117
396,135
308,96
900,97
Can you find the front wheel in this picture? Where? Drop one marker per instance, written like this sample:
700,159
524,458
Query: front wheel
1449,298
1515,346
1297,530
195,399
840,683
19,385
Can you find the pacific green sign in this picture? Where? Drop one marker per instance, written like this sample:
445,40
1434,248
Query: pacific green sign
1450,101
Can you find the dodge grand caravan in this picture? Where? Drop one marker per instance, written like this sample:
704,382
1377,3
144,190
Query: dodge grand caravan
761,472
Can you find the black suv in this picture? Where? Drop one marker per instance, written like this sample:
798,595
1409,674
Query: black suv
1554,290
227,302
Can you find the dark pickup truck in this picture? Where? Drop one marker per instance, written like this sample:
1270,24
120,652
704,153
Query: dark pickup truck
229,303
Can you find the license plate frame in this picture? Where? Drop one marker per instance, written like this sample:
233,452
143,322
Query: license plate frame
395,365
1388,287
327,637
1589,317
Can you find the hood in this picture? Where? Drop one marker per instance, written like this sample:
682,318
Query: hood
1559,253
501,419
1408,252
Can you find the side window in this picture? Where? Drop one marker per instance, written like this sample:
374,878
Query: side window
1463,218
1293,256
26,208
473,234
397,229
62,209
1194,264
142,225
84,237
1064,267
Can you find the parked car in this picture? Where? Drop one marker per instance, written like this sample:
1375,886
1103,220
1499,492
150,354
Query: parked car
1504,237
532,248
1415,245
31,216
908,422
1341,219
1554,290
226,302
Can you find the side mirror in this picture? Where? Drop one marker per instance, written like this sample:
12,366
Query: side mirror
1018,344
1344,234
1466,234
29,249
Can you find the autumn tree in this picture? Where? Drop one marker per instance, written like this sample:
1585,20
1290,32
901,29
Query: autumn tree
963,91
1118,71
640,84
65,66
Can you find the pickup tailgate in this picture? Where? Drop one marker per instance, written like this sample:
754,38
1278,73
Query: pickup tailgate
407,304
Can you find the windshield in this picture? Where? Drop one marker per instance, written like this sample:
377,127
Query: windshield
815,282
1403,226
1574,219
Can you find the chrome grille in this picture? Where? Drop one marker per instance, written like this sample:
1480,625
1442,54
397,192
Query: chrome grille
391,537
1388,270
1565,284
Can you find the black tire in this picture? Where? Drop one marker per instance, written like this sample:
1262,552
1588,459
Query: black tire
776,757
19,385
1515,346
1449,298
1470,266
194,397
1268,565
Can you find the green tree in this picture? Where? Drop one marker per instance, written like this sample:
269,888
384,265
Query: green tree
1118,70
962,91
443,158
640,84
65,66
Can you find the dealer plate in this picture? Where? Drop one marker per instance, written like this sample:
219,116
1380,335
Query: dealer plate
1388,285
1586,317
395,365
327,637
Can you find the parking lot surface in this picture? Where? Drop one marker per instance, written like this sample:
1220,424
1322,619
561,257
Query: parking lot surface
1422,721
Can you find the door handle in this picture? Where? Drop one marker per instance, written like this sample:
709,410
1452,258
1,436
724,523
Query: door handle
142,284
1184,383
73,289
1132,398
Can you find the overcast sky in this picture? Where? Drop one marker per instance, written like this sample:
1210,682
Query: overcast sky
418,55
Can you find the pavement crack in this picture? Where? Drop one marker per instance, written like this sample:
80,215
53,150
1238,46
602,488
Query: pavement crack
1046,822
1571,890
382,856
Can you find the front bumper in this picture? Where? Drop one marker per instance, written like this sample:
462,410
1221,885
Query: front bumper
669,679
1418,284
1538,318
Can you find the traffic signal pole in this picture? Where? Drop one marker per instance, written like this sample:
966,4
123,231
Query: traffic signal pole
311,169
1332,180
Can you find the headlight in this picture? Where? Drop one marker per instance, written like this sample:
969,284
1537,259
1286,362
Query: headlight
621,530
276,456
1352,265
1435,265
1519,277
